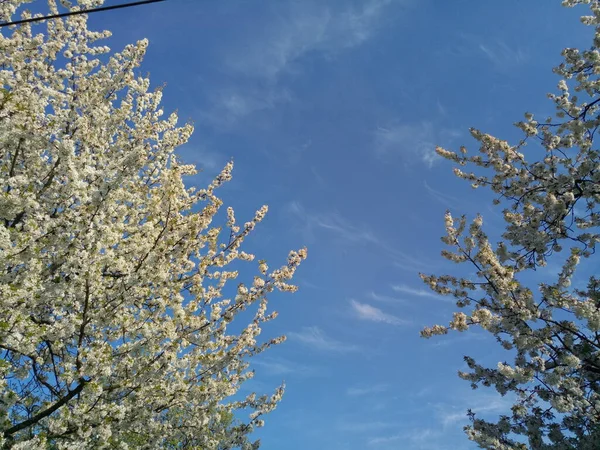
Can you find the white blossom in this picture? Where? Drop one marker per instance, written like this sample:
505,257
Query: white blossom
552,201
113,290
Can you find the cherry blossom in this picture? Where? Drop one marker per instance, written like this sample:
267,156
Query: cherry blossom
550,185
115,277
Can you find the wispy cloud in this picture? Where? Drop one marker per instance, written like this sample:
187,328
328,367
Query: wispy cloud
419,438
447,200
412,141
280,366
415,292
471,336
382,440
279,45
342,228
482,404
332,222
316,338
366,390
303,28
384,298
450,418
404,261
232,105
235,104
345,230
504,56
305,284
365,311
364,427
202,157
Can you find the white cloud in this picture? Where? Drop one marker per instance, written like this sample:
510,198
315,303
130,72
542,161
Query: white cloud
366,390
413,141
473,335
447,200
367,312
451,418
285,41
202,157
303,27
233,105
240,105
314,337
403,289
416,438
502,55
481,404
409,262
280,366
305,284
332,222
364,427
342,228
278,45
384,298
385,439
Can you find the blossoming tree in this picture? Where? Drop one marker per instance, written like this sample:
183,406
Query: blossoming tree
552,333
113,314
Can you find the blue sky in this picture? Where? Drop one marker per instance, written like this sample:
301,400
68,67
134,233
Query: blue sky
331,111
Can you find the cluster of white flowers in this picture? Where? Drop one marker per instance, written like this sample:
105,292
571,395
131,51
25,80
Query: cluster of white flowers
553,207
113,325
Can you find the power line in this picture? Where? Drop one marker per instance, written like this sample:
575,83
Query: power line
83,11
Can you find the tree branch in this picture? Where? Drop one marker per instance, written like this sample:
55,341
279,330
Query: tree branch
35,419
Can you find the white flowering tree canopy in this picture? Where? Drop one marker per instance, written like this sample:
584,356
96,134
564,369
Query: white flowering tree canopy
114,323
551,333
